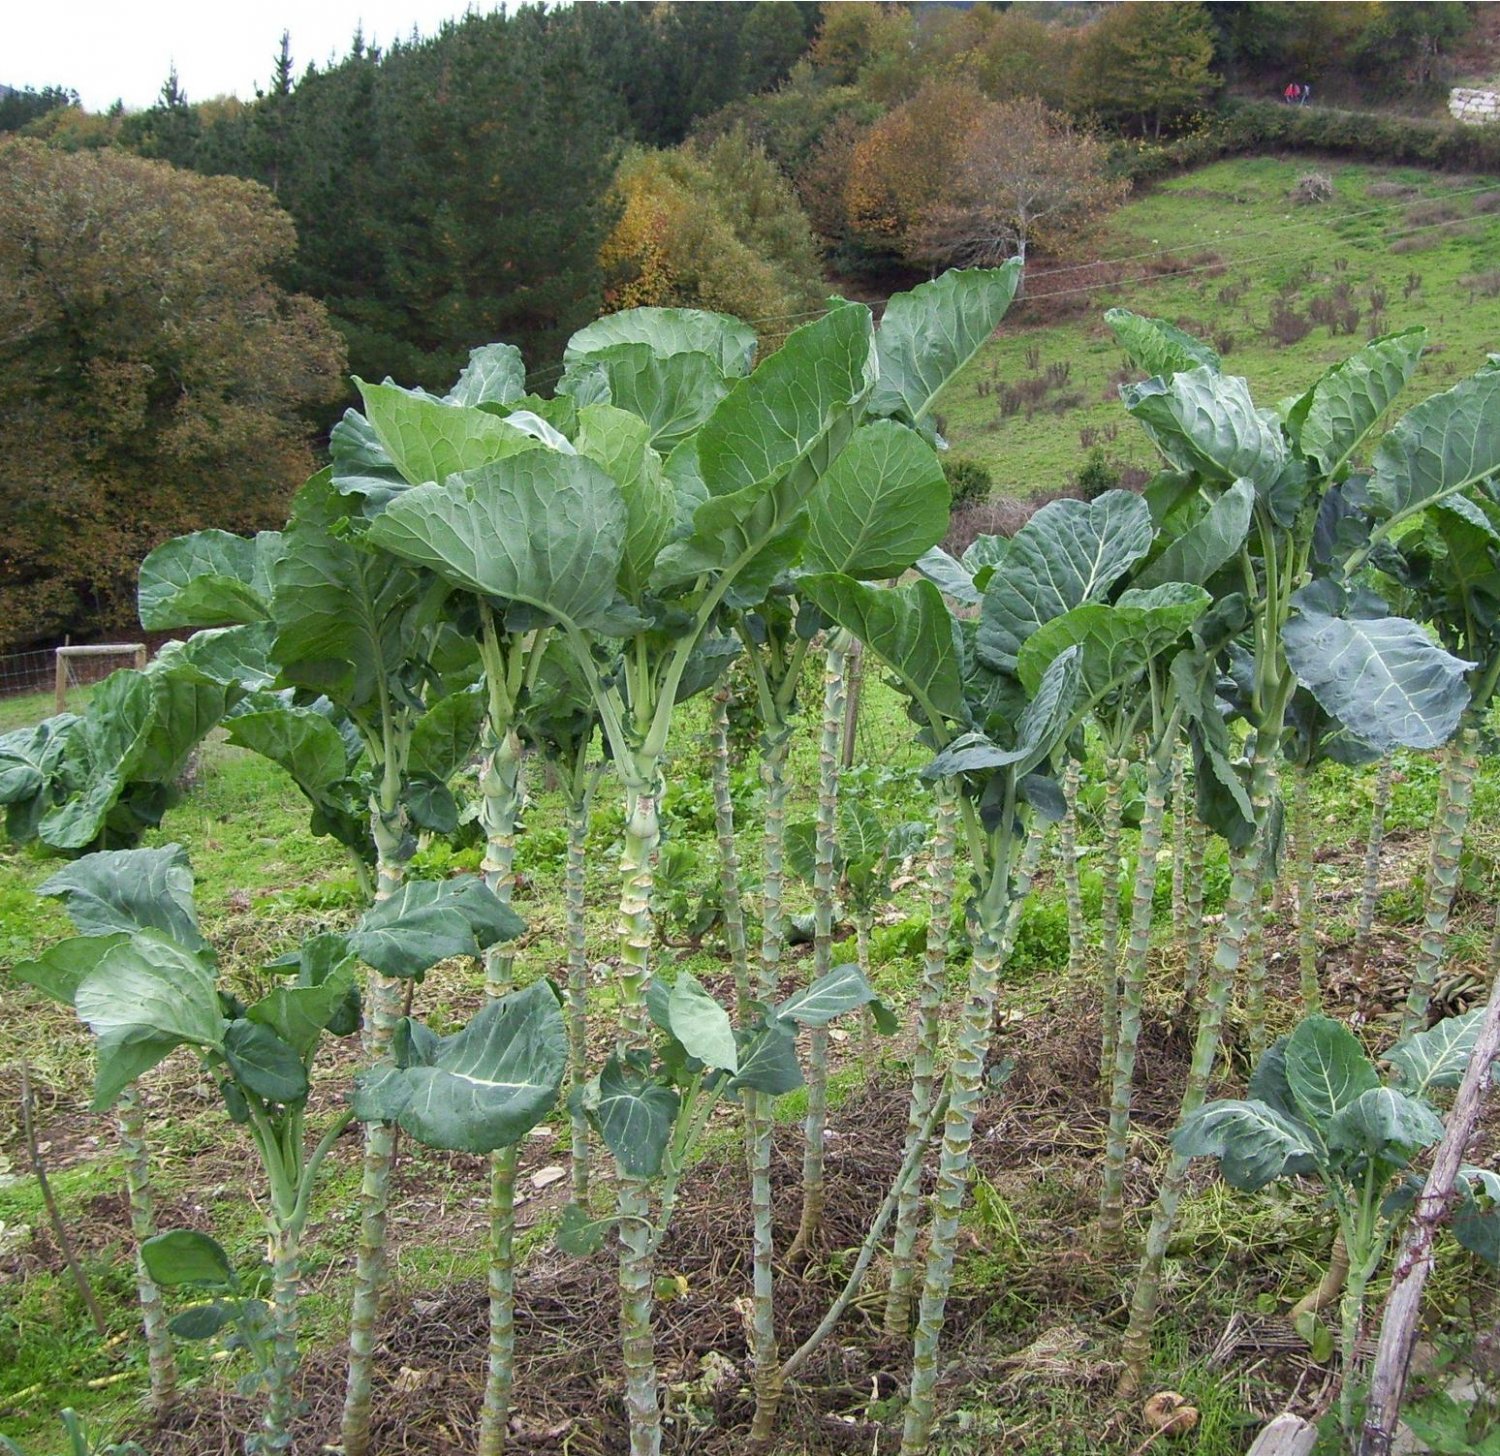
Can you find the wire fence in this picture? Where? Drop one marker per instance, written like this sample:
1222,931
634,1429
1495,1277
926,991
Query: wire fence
60,678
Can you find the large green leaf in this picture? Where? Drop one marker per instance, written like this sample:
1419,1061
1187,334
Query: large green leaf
1441,446
208,579
1070,552
1206,421
138,730
1254,1143
263,1063
701,1024
768,1060
427,921
669,331
1158,347
130,890
1439,1057
184,1256
883,502
670,396
236,656
1326,1068
949,576
634,1113
1383,678
495,374
1334,416
144,997
343,611
772,419
300,1014
303,741
445,736
1385,1123
1211,541
429,440
59,970
484,1087
1118,641
833,994
928,335
1040,728
543,528
909,628
620,444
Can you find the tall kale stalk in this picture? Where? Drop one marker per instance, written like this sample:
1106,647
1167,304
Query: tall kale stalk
1369,887
1159,772
941,878
1067,854
729,859
161,1360
825,878
1268,503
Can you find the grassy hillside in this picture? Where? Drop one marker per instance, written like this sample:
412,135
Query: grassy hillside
1282,289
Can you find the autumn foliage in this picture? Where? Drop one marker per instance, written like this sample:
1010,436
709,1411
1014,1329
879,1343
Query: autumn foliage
153,377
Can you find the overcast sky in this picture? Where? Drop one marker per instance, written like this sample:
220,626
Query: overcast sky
108,49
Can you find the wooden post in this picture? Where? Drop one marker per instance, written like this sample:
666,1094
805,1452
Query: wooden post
1398,1326
136,650
1287,1435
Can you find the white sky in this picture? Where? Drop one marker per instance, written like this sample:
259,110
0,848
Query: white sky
106,49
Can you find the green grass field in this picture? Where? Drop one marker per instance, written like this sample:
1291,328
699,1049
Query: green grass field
1424,246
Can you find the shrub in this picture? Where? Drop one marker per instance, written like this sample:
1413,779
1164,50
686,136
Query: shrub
1097,475
1313,187
968,480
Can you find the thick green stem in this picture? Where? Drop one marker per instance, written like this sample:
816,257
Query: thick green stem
1307,906
1240,910
1369,891
1109,911
1067,853
729,860
637,1336
1460,765
934,989
633,1204
759,1121
286,1270
1179,843
1255,963
966,1091
642,838
825,880
502,794
160,1359
1197,852
578,982
494,1416
1153,818
382,1010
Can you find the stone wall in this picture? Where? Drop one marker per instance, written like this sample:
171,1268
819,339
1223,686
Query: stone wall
1474,108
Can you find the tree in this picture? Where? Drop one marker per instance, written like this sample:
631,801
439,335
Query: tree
19,108
1025,177
154,377
167,131
1146,66
900,167
714,227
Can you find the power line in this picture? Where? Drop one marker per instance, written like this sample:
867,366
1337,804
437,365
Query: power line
1326,224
